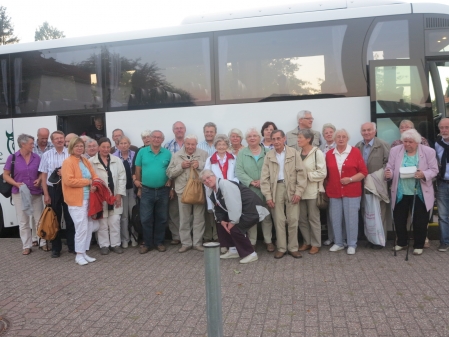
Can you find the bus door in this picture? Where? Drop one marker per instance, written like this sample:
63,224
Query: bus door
81,124
439,87
398,91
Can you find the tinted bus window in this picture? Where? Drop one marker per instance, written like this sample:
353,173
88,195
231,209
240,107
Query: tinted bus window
437,41
156,72
4,87
389,40
285,63
57,80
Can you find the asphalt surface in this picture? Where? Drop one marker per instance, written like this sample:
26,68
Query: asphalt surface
371,293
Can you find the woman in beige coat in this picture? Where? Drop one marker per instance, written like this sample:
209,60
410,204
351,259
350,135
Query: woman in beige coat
110,169
309,214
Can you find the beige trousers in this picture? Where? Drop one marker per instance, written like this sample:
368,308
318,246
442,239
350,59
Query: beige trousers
24,220
197,227
309,222
173,217
210,227
292,211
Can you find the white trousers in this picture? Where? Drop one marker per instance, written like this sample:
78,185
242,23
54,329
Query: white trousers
83,227
109,231
24,220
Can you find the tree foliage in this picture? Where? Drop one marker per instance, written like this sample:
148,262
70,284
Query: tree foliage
6,28
47,32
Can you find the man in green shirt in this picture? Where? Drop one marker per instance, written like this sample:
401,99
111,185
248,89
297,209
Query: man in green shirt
151,163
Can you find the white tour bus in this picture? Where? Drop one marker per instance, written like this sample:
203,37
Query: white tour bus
346,61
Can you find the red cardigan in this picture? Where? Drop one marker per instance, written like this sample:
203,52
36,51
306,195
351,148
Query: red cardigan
353,164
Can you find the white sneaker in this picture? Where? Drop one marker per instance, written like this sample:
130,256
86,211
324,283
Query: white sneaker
249,258
223,250
229,255
417,251
398,248
134,242
336,248
327,242
88,258
125,244
351,251
80,260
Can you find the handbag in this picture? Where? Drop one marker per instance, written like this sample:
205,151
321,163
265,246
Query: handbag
193,192
322,200
407,172
6,188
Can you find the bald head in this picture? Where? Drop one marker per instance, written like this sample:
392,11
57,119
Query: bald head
42,137
68,138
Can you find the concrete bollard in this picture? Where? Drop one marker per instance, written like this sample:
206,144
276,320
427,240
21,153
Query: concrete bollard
213,289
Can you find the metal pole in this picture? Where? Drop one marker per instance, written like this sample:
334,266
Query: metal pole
213,289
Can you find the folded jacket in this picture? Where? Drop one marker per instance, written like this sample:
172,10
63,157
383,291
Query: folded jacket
96,199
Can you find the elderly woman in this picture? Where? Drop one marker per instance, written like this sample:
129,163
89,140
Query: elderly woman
267,129
77,175
248,169
128,201
110,169
236,137
25,180
329,144
345,171
236,209
417,189
404,126
309,214
91,148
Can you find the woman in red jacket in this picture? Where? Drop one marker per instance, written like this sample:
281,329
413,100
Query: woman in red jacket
345,171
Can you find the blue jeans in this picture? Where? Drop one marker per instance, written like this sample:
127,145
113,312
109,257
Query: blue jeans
443,211
154,215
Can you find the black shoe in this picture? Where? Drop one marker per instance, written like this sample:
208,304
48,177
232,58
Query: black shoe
55,254
376,247
72,251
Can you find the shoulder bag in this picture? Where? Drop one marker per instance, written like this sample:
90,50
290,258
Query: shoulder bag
193,192
6,188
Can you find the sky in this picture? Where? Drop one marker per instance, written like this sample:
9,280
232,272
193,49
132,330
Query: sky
93,17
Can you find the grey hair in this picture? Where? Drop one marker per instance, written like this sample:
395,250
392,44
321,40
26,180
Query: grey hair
206,172
411,134
85,138
152,133
173,126
23,139
407,121
252,129
191,137
124,138
341,131
330,126
442,120
118,130
237,132
307,135
302,114
221,138
210,124
372,123
145,133
90,140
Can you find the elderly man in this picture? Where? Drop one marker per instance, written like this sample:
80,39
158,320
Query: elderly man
96,131
179,171
305,121
68,138
52,160
116,135
210,131
282,182
179,129
442,150
42,144
151,165
375,154
236,209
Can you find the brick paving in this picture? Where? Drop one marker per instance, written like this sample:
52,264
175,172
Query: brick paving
371,293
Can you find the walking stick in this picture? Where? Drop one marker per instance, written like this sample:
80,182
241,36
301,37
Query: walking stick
411,220
393,225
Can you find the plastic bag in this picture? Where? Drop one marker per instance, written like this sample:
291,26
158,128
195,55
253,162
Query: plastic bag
374,230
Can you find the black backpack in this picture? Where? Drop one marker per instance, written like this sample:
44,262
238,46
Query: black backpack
135,219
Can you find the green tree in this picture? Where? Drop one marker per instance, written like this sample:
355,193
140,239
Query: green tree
47,32
6,28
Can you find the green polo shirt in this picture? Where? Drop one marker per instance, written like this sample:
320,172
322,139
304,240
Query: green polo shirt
153,166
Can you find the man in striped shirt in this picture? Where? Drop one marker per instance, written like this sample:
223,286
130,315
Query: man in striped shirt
50,161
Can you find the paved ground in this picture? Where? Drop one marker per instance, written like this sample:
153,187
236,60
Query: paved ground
371,293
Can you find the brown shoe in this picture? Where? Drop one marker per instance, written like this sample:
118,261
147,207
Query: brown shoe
144,249
183,249
161,248
296,255
303,248
175,242
279,255
270,247
314,250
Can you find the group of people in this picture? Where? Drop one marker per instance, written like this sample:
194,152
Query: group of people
275,180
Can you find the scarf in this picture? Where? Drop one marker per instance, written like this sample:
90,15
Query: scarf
444,157
110,180
215,159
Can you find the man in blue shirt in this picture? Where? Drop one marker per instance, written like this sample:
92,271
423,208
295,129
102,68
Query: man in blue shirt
151,163
442,150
